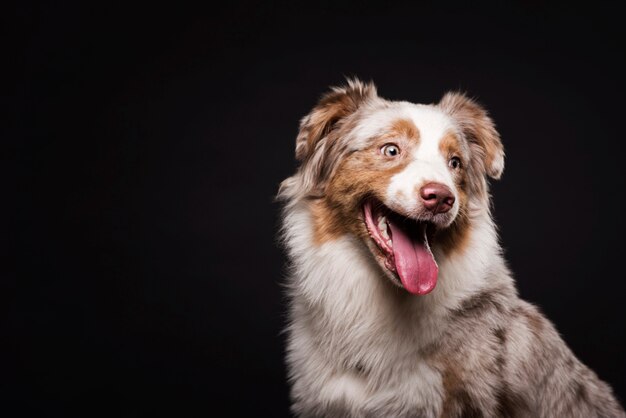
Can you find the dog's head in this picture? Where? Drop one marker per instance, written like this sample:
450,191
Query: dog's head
401,177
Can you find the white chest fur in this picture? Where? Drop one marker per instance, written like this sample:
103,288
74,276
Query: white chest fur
355,339
326,384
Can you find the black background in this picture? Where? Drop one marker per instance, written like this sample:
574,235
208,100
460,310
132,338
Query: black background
146,144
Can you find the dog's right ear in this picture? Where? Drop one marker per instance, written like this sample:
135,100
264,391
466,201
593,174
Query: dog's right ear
332,108
315,144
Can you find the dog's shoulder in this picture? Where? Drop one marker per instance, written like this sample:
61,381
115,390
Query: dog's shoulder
502,357
473,353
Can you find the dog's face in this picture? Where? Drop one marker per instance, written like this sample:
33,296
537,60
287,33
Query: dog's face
399,176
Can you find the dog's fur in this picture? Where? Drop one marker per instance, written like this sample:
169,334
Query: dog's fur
359,345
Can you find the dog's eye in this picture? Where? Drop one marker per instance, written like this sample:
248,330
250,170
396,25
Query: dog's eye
454,163
390,150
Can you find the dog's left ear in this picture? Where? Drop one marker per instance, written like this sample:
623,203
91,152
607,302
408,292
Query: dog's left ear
479,130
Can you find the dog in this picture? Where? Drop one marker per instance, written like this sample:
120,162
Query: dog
400,301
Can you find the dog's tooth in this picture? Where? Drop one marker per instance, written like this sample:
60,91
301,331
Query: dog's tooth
382,227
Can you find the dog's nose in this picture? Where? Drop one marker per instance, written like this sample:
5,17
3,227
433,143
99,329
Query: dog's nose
436,197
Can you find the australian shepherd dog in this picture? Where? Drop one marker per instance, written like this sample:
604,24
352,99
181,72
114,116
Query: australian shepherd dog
400,301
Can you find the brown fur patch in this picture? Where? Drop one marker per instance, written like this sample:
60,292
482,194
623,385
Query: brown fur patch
449,145
328,112
533,319
452,384
475,306
500,334
456,237
478,128
332,107
326,226
457,401
404,128
319,146
535,322
360,175
509,402
581,392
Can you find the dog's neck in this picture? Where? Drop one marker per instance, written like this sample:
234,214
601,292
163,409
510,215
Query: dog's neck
343,285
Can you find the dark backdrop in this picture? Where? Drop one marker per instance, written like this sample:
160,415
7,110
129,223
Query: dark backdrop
146,144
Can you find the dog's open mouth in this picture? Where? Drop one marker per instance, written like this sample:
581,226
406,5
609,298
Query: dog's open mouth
405,246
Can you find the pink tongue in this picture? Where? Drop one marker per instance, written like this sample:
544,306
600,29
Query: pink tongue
414,262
